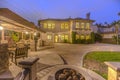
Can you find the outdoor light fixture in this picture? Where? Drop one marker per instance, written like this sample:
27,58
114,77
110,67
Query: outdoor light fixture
35,34
59,35
1,28
26,32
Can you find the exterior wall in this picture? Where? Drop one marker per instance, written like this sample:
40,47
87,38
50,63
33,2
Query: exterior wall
108,35
58,33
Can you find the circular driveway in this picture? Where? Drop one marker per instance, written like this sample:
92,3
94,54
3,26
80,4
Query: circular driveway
73,53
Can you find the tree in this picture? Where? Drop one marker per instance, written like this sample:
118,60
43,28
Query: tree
98,37
92,37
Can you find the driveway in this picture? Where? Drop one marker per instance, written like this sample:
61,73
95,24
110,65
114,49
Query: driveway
73,53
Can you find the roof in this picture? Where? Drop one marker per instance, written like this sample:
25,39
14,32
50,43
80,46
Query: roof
66,19
110,32
13,16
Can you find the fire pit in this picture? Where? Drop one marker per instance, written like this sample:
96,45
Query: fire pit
68,74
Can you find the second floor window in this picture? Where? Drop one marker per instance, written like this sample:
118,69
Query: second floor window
82,25
64,26
87,25
77,25
49,25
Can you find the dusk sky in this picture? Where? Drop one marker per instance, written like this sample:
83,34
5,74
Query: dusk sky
33,10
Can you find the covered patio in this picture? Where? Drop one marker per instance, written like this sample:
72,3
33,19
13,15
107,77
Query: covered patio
14,28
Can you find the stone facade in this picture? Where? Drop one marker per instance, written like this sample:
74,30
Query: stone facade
4,58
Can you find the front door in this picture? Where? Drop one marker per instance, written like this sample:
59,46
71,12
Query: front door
56,38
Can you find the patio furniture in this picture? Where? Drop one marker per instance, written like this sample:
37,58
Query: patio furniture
20,52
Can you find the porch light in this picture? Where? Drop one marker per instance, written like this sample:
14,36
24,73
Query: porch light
1,28
59,35
35,34
26,32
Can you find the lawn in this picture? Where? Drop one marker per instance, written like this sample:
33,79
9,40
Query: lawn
95,61
104,56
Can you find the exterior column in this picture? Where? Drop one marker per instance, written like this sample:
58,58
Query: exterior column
22,35
3,37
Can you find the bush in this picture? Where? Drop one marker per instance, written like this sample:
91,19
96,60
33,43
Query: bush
65,41
73,37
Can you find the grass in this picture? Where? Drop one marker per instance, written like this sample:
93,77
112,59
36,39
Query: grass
101,57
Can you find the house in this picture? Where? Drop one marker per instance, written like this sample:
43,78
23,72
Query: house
61,30
108,32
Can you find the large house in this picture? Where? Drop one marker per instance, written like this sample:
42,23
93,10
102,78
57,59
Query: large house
60,30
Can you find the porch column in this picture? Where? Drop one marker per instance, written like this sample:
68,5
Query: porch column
30,35
3,37
22,35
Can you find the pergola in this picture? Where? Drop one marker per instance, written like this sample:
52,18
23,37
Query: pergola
13,22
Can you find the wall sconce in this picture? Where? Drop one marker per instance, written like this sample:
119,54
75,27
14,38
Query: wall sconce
35,34
26,32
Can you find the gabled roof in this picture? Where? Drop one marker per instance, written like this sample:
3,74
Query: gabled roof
13,16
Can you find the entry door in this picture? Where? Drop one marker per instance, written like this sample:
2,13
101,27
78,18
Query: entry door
56,38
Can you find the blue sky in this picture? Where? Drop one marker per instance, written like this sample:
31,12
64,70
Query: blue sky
33,10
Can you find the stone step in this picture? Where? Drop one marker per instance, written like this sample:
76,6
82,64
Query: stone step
44,72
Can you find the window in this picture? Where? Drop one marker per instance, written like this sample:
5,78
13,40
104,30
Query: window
53,26
82,25
87,37
64,26
87,25
62,37
82,37
45,25
66,37
49,37
49,25
77,36
77,25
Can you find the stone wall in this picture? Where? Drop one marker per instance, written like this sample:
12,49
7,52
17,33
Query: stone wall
4,58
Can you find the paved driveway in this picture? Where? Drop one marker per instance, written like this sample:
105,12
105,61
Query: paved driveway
73,53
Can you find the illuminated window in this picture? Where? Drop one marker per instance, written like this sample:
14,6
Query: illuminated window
62,37
77,36
87,37
66,37
87,25
82,37
66,26
45,25
53,26
49,37
49,26
77,25
82,25
62,26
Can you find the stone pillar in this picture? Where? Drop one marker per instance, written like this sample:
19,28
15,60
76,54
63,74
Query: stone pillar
5,74
31,64
113,70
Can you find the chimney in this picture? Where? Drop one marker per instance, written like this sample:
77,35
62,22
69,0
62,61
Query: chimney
88,15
